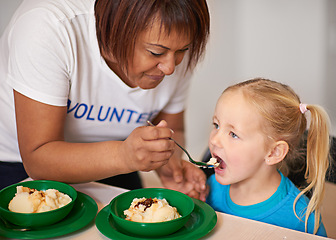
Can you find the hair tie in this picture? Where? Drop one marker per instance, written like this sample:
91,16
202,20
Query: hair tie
303,108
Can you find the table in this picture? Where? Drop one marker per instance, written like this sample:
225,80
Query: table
227,227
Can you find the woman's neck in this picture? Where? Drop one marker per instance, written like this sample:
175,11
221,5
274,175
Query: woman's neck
119,72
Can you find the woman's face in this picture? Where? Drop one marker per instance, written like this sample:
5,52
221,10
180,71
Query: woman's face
156,55
237,140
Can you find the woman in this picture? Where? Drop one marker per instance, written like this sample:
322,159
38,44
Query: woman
81,78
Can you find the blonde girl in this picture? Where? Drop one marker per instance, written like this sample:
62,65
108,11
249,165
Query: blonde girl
258,127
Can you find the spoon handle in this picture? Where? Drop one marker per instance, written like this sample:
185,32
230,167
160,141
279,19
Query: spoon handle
199,164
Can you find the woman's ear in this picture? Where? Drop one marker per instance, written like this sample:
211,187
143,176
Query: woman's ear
277,153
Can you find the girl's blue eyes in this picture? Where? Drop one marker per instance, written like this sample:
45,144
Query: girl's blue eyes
233,135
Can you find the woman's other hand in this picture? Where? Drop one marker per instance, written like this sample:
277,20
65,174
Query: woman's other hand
184,177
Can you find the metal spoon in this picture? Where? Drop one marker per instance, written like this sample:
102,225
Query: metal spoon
199,164
13,227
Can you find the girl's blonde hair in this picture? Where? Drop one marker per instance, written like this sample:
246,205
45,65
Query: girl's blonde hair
280,107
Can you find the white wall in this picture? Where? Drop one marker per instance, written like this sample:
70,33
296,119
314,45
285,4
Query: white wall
292,41
7,7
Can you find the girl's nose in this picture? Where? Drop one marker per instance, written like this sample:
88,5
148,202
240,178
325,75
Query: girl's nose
215,139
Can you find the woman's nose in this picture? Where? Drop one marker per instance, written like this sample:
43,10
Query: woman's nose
167,65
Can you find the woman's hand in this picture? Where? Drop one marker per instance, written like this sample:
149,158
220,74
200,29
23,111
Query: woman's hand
148,148
184,177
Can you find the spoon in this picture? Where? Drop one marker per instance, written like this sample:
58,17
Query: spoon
210,164
13,227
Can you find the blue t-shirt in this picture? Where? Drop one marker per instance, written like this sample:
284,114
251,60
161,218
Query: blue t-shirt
277,210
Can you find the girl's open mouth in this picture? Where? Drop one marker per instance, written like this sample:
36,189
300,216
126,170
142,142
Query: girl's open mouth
221,165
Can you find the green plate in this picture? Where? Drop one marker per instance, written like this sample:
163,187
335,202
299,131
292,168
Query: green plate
183,203
82,213
202,220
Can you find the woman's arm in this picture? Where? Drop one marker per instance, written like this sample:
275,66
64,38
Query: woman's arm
46,155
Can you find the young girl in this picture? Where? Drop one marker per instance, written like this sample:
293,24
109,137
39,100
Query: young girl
258,125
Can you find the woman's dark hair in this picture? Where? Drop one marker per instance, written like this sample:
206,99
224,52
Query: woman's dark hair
119,23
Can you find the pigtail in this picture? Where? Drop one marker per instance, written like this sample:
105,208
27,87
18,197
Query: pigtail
318,143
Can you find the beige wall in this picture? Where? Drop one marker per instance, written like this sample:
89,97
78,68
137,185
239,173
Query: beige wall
292,41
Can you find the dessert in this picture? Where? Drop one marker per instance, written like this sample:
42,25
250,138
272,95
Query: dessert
213,161
27,200
151,210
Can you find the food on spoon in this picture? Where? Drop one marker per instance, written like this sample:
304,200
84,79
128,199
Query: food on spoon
27,200
213,161
151,210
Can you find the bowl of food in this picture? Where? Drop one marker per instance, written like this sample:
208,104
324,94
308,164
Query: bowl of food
151,212
36,203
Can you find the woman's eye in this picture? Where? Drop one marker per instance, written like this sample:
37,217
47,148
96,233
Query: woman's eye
233,135
156,54
183,50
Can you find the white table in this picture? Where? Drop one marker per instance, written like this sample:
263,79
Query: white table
227,227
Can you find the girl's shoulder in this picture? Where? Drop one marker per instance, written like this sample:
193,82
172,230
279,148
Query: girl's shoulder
300,209
293,192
